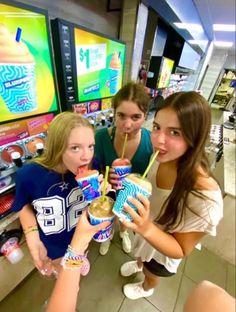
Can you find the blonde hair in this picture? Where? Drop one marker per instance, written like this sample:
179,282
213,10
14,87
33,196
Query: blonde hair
57,139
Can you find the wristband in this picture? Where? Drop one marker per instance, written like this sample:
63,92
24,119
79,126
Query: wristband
73,261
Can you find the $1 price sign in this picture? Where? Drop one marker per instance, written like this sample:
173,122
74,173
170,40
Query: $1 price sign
90,58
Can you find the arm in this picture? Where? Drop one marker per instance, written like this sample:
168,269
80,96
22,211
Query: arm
207,296
64,295
36,247
176,245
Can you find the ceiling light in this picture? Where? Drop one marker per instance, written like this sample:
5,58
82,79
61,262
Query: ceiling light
196,27
224,27
223,44
197,41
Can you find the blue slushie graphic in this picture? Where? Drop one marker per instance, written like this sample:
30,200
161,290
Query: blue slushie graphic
17,74
114,72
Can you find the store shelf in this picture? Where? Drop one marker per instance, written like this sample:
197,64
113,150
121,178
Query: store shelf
4,189
7,172
10,218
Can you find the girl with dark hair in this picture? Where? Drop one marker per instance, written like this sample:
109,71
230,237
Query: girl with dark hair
130,105
186,202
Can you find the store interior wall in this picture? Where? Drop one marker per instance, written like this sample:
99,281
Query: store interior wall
216,64
149,35
230,62
91,14
159,41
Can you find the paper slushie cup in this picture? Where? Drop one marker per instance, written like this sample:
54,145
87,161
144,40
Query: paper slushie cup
101,211
89,184
17,74
114,72
132,184
122,167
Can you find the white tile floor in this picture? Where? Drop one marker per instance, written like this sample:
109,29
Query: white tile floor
101,290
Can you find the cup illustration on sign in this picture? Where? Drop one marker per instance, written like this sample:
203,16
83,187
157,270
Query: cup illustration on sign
17,73
114,72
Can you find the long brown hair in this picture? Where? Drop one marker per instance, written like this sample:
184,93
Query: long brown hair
134,92
57,139
194,115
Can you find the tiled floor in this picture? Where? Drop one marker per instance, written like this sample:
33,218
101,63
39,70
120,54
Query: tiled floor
101,290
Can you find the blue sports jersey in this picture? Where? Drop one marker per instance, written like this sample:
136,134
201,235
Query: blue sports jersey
57,201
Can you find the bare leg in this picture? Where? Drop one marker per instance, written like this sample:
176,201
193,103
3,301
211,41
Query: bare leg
151,280
122,227
139,263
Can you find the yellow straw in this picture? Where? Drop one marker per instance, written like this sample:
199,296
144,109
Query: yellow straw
150,164
105,183
124,145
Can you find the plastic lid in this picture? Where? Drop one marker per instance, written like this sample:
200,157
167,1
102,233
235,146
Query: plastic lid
39,145
15,155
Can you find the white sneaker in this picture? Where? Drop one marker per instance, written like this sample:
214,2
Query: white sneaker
126,243
129,268
104,247
135,291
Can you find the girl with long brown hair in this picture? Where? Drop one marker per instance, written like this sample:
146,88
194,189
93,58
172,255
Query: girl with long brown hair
186,202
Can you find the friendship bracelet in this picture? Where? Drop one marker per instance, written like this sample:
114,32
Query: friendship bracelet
73,261
30,227
30,230
73,251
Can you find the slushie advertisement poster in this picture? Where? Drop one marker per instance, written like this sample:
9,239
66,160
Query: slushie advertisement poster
165,72
26,73
99,65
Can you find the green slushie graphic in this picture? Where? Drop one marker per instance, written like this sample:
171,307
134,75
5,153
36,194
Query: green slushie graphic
17,73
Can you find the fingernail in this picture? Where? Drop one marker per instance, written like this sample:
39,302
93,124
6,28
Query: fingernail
129,197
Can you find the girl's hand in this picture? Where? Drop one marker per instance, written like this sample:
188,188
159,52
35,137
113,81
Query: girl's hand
39,253
85,231
101,180
141,221
114,179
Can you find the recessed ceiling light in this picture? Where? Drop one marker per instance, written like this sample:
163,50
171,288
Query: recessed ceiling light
223,44
224,27
198,41
189,26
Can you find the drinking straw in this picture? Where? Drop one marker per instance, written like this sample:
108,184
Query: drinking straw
124,145
150,164
18,34
105,183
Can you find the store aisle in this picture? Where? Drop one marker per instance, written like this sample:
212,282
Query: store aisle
101,290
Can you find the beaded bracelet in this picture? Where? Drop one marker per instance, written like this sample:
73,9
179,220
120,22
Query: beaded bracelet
73,261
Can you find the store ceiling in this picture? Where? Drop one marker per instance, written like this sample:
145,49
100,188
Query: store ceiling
217,12
206,12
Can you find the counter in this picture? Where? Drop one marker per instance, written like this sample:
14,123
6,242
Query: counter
12,274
